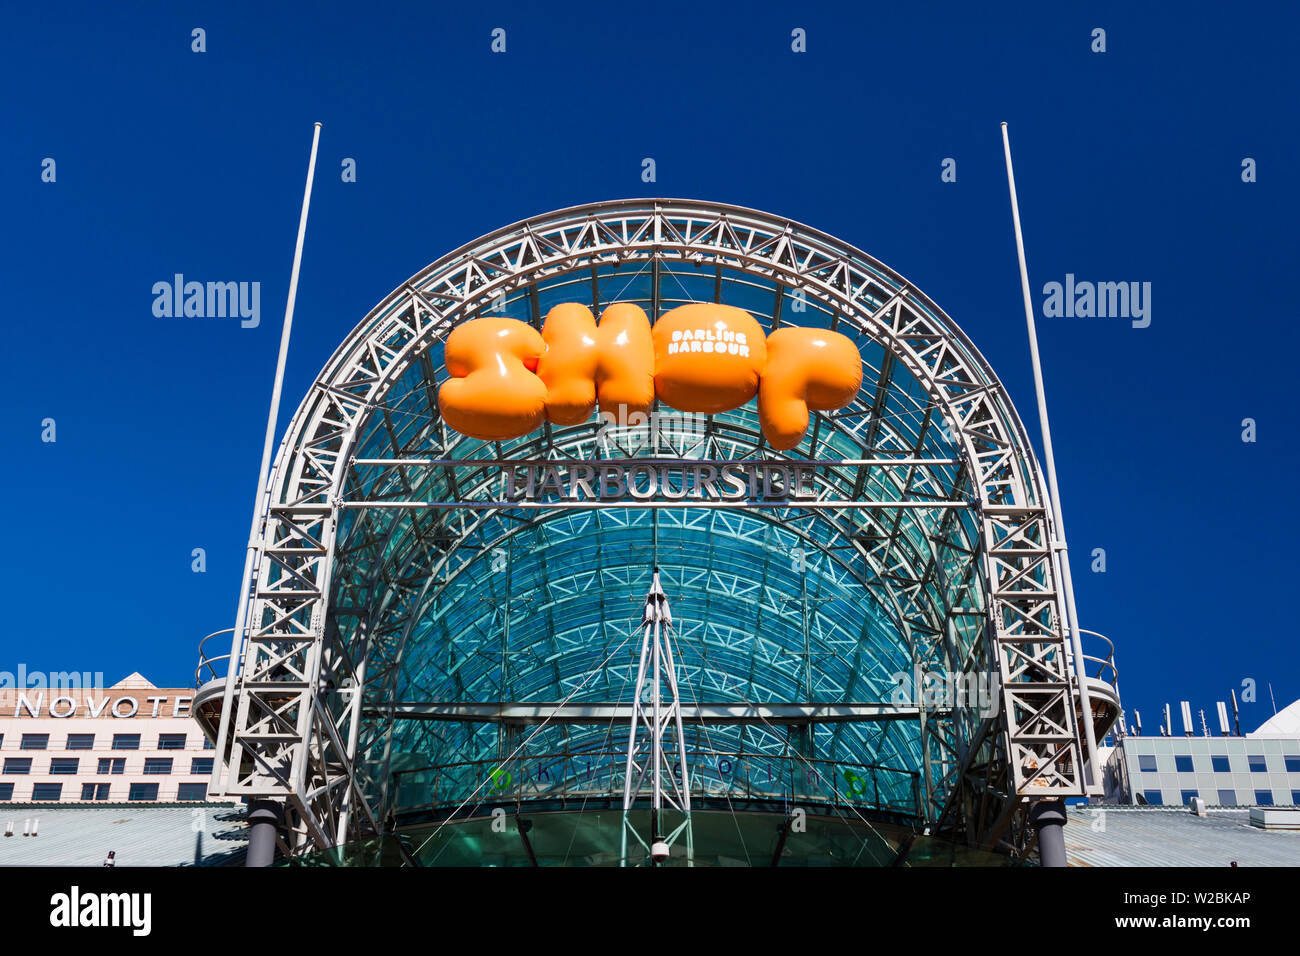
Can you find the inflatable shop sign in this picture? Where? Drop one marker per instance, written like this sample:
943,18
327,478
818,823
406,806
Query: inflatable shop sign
507,378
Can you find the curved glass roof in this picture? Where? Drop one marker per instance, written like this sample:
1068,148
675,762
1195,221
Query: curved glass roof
770,606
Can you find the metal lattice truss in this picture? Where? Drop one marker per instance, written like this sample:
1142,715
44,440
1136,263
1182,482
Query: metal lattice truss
653,723
342,583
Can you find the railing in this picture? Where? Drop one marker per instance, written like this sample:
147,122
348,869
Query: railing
598,775
207,671
1103,664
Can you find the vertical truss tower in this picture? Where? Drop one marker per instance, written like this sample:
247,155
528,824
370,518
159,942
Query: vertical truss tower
646,753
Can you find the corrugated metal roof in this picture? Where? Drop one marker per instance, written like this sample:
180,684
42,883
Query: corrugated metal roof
141,834
1167,836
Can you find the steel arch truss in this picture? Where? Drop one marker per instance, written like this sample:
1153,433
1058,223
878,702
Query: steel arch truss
322,637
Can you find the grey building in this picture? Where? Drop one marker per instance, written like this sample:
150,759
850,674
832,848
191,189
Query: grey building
1260,769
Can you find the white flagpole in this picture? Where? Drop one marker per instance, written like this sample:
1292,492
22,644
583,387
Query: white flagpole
1058,545
263,492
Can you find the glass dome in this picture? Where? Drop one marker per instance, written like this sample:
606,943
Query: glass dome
770,606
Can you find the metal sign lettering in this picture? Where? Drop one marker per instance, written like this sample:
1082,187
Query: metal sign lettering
649,480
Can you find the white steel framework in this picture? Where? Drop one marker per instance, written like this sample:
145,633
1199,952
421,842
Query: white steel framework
646,755
312,645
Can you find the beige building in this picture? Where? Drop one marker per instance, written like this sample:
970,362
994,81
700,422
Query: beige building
132,742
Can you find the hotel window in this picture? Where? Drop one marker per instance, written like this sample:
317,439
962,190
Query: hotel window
94,791
64,764
47,791
1186,796
1293,763
1152,797
1263,798
1220,763
18,764
171,741
1147,763
81,742
201,765
6,791
143,791
1295,796
207,744
192,791
34,742
1257,763
158,765
126,741
112,765
1183,763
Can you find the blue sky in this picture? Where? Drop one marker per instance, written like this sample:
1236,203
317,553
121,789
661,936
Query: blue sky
1128,166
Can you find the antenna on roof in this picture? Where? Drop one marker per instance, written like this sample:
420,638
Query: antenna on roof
1186,708
1167,728
1223,718
1137,719
1236,716
1205,728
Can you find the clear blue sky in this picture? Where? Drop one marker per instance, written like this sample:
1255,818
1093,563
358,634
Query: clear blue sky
1129,169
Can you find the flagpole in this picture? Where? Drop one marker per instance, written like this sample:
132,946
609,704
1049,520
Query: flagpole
260,502
1058,533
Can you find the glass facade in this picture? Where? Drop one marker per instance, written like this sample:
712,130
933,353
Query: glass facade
769,606
591,838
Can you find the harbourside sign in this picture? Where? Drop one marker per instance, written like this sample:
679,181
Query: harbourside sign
655,482
664,481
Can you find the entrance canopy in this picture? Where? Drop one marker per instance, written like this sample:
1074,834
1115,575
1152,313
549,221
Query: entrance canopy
423,637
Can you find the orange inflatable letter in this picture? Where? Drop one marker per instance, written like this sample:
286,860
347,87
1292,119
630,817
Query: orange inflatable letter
806,368
708,357
612,364
493,393
506,378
